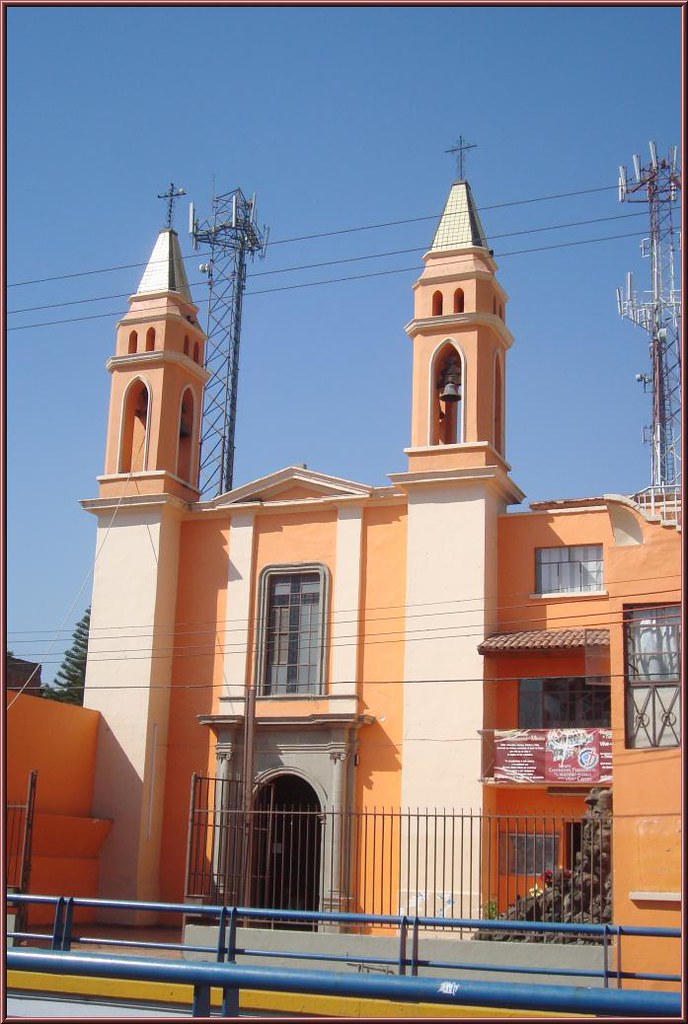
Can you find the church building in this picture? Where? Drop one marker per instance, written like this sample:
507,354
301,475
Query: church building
337,661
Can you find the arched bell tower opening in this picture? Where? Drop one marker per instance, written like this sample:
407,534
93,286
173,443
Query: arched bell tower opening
187,417
287,842
134,433
446,425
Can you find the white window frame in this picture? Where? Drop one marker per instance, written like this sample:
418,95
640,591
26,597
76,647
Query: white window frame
576,560
268,574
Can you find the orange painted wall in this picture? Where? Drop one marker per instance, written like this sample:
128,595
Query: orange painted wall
59,742
306,535
519,536
202,633
381,657
647,783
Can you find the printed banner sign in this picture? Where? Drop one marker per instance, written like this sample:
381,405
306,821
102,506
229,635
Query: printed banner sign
553,755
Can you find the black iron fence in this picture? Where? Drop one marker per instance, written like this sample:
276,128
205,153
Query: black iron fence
440,864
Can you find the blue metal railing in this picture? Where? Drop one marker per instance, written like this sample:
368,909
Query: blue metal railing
231,978
406,963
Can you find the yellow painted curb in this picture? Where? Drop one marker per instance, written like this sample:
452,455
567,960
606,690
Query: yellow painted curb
283,1002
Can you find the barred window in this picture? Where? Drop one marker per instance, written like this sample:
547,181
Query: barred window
569,570
653,694
291,644
528,853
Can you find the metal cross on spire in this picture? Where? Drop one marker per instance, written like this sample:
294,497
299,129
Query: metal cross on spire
171,194
461,148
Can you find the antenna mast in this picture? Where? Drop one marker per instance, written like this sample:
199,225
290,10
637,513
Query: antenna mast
232,235
659,314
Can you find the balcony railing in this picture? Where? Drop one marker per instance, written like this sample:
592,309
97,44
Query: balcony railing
661,501
580,756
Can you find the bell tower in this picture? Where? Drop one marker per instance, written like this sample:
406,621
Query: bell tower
457,486
460,341
156,401
150,480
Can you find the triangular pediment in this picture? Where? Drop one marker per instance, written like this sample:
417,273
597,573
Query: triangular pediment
295,483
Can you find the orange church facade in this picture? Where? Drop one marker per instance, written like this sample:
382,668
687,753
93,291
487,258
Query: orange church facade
428,644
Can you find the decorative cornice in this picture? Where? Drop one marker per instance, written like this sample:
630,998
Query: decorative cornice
136,501
292,722
452,321
158,357
493,476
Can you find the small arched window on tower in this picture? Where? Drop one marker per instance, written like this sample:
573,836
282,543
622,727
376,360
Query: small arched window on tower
150,339
133,342
134,439
448,404
186,344
197,352
437,304
498,426
186,425
459,300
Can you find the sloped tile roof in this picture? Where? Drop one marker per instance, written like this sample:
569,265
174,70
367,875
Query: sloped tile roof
459,225
165,271
545,640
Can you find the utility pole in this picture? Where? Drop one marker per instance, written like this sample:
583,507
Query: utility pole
232,235
659,185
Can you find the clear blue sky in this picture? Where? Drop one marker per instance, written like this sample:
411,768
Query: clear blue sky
338,118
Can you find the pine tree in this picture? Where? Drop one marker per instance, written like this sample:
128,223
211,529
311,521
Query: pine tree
68,686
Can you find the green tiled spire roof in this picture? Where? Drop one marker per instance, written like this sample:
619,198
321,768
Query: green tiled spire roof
459,225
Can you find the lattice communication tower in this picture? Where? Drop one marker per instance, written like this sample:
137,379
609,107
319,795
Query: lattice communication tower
232,235
659,313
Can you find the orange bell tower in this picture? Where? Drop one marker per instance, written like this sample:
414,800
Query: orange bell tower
156,401
150,480
460,341
458,485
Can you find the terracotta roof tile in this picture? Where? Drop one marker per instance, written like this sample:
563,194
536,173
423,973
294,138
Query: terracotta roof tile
544,640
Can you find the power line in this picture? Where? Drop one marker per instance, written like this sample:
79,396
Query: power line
240,625
465,631
326,234
336,280
357,684
331,263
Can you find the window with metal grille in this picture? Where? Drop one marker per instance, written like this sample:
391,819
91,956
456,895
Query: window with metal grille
564,702
569,570
653,679
292,635
528,853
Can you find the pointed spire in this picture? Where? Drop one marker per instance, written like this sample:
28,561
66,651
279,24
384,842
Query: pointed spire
459,226
165,271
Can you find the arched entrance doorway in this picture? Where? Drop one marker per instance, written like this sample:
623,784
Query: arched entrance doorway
287,838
